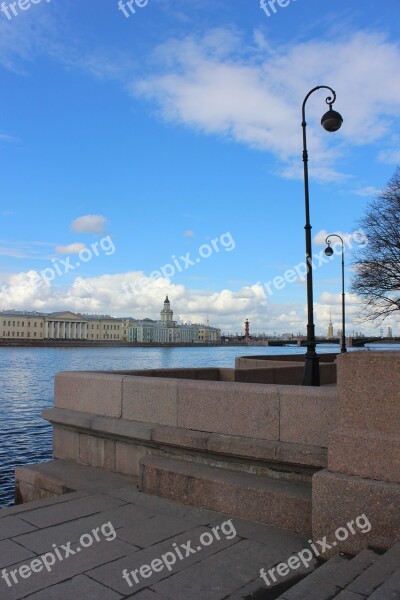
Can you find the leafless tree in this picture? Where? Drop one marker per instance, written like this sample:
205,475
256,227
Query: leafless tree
377,266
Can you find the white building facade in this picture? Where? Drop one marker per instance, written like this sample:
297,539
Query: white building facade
61,326
166,330
67,325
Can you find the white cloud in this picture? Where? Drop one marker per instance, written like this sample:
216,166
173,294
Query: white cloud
226,308
24,249
348,238
31,34
5,137
368,191
390,157
219,86
71,248
89,224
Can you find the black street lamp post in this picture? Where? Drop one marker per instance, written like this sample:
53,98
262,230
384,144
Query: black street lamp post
331,121
329,252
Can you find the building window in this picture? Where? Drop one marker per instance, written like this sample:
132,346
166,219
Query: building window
13,323
9,323
17,323
29,323
4,323
35,324
34,334
29,334
22,323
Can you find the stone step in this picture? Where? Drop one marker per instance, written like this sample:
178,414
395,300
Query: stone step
334,576
264,499
372,581
389,589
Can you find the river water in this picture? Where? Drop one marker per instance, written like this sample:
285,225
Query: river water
26,388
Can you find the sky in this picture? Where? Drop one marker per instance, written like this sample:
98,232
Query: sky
156,149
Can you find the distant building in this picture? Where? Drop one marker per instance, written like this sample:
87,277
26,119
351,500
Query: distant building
166,330
65,325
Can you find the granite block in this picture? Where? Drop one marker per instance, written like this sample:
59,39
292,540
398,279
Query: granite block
339,499
150,399
307,414
249,410
97,393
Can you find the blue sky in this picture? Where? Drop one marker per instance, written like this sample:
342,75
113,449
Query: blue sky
180,125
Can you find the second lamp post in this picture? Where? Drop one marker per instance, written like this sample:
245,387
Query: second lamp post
329,252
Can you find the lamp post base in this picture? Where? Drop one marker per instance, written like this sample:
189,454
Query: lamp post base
311,369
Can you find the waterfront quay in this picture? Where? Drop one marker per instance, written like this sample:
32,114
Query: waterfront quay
214,483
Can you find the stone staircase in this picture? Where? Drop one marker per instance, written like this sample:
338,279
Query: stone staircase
281,502
367,575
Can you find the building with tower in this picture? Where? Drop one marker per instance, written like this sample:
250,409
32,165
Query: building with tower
167,315
166,330
66,325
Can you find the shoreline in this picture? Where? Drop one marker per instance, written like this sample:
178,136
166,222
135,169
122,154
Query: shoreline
105,344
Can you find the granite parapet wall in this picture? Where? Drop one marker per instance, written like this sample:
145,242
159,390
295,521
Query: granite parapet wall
363,472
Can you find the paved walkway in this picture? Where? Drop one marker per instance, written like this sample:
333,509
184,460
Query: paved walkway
79,546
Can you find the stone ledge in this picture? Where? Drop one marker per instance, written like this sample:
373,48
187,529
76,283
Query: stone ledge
59,475
152,436
244,409
109,426
242,495
32,485
251,448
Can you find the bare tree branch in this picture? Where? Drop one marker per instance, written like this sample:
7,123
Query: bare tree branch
377,266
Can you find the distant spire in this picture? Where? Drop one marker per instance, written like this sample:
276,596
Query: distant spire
330,326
